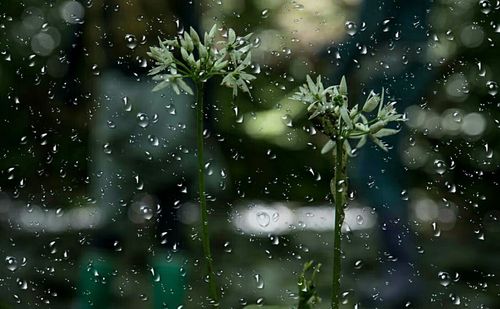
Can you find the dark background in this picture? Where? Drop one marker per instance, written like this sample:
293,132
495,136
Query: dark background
50,64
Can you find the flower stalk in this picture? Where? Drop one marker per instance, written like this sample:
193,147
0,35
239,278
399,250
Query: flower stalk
205,234
190,57
339,192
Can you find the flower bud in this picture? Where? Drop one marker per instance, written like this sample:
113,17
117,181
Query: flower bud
194,35
361,127
202,50
343,86
371,103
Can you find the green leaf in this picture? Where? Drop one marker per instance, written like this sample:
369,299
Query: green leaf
308,295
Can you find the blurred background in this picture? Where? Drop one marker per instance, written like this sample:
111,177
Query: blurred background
90,158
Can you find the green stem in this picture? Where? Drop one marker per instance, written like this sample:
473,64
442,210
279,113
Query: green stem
339,191
212,286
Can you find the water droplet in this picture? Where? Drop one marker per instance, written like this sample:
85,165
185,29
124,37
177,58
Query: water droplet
444,278
260,281
404,195
154,140
126,104
117,246
138,182
131,41
485,6
359,219
227,247
95,70
146,212
23,285
143,120
492,87
255,68
287,120
263,218
454,299
107,148
350,27
440,166
436,230
358,264
12,264
298,6
264,13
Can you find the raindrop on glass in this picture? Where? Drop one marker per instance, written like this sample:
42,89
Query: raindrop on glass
264,13
263,218
444,278
11,262
127,106
146,212
143,120
439,167
107,148
260,281
350,27
131,41
359,219
485,6
492,87
95,70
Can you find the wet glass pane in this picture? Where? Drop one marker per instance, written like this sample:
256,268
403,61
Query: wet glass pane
258,154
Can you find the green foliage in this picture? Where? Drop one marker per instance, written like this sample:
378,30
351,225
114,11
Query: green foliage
188,56
308,295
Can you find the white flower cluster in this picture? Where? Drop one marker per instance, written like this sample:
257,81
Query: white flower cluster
187,56
329,110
